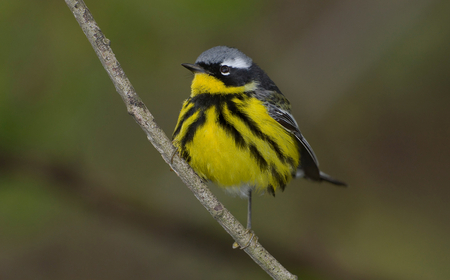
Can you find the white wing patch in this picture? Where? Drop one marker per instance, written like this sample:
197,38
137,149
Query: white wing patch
237,63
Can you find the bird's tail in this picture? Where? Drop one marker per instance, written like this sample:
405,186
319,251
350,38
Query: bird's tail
328,178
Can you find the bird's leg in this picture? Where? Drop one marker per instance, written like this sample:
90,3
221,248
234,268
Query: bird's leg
174,153
249,211
249,224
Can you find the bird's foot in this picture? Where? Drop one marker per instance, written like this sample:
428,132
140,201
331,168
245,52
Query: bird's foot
253,238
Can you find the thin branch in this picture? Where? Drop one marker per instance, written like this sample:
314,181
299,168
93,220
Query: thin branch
156,136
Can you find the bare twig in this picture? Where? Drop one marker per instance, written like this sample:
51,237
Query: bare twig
156,136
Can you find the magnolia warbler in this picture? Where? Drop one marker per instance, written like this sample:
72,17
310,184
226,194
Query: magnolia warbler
236,129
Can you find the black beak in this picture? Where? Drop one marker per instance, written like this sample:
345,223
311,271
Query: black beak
194,68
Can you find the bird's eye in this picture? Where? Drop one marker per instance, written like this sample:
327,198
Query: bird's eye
225,70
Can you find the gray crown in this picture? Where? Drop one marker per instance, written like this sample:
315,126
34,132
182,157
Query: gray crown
221,53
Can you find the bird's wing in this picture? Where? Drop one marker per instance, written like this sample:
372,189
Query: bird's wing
278,108
288,122
309,164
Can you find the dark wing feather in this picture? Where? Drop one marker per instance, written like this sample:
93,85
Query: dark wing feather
309,164
278,108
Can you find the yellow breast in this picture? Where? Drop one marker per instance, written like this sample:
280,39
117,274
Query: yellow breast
233,141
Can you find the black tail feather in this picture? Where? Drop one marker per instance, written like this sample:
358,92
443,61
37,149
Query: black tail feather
328,178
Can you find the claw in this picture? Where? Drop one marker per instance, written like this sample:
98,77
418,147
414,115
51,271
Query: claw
252,238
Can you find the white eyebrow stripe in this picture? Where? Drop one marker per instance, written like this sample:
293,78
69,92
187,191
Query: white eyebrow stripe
237,63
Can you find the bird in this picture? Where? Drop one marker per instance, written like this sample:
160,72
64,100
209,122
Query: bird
236,129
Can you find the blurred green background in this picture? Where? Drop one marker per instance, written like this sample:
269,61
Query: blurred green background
84,195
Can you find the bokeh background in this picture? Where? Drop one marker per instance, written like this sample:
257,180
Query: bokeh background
84,195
